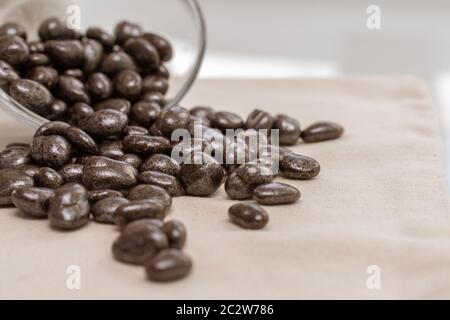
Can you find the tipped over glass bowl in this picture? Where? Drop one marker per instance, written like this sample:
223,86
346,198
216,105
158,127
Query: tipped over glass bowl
179,21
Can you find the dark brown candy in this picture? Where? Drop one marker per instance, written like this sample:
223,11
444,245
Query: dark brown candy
52,128
168,265
203,124
146,145
248,216
322,131
126,30
295,166
76,73
169,183
30,170
65,54
7,75
58,110
97,195
138,244
33,201
259,119
36,47
69,207
289,129
162,71
129,130
32,95
13,29
276,193
106,39
105,173
131,159
14,51
77,137
161,44
155,131
172,119
10,180
48,178
143,52
147,191
202,112
17,145
80,111
99,86
223,120
176,233
93,54
80,140
255,174
72,90
202,179
142,209
145,113
128,84
155,84
104,123
53,151
116,62
72,172
55,29
82,159
162,163
104,210
37,60
15,157
154,96
121,105
237,188
111,149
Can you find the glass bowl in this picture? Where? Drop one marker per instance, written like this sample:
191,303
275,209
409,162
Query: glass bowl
179,21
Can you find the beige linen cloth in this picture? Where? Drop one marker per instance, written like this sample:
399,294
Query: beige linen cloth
380,200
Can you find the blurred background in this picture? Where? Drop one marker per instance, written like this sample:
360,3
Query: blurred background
299,38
